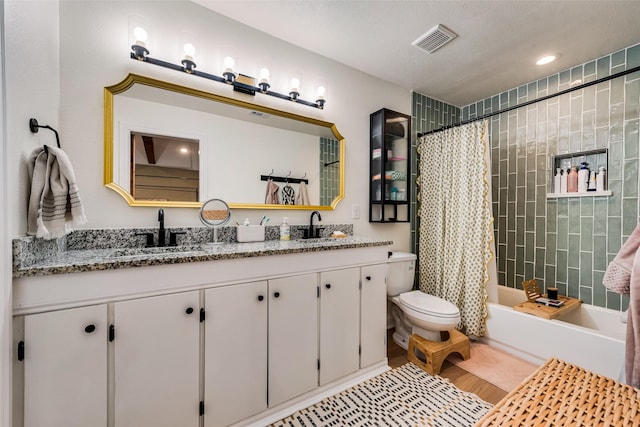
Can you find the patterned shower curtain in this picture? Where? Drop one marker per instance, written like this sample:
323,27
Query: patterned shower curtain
455,221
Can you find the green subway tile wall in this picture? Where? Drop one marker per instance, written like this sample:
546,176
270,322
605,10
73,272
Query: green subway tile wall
568,242
329,170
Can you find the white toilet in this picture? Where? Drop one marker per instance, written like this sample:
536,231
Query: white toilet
415,312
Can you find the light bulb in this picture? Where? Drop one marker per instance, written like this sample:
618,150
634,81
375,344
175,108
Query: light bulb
295,83
321,92
141,36
189,51
264,75
229,63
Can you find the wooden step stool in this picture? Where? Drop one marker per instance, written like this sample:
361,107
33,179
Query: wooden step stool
433,353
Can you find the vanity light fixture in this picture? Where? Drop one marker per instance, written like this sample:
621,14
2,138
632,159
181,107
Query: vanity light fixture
246,84
187,62
140,46
264,80
294,92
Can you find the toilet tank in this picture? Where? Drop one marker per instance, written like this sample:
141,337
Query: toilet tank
401,273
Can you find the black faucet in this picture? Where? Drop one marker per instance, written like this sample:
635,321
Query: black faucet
161,242
309,234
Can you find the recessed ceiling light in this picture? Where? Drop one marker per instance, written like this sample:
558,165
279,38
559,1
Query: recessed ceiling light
184,150
546,59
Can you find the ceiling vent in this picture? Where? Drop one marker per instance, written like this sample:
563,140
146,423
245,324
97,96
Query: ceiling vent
435,38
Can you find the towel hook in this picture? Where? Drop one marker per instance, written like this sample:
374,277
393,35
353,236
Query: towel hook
304,176
34,127
271,173
287,177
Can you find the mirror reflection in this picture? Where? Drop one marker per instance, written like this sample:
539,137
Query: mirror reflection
164,168
232,148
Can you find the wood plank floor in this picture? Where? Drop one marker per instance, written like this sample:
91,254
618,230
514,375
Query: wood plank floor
462,379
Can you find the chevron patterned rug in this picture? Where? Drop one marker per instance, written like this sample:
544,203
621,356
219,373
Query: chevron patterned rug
403,397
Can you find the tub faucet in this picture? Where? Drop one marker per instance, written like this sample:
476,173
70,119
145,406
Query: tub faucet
309,234
161,242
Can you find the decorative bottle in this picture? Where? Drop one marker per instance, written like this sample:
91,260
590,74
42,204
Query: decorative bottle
285,229
592,181
583,178
601,180
572,181
563,181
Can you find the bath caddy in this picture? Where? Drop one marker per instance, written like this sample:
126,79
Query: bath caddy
549,312
433,353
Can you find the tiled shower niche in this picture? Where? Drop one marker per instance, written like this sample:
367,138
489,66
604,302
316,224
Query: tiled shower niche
595,159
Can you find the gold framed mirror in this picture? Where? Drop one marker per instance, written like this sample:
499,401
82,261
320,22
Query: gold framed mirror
191,145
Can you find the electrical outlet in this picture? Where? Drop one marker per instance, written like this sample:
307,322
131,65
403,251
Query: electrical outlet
355,211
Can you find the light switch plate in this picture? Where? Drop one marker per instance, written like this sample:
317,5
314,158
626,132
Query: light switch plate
355,211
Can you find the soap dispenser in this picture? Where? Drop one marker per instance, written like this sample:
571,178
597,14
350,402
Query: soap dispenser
285,229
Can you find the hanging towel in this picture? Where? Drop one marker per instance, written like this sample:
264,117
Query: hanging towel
303,195
271,198
54,200
288,195
623,276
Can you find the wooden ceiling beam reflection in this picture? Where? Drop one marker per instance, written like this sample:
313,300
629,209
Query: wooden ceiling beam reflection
148,149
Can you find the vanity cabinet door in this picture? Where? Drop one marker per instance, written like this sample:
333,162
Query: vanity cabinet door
65,368
293,337
373,319
235,368
156,361
339,323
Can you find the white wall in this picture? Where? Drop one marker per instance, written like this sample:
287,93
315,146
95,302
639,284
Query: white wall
94,53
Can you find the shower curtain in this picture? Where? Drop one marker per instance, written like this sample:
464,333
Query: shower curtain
455,221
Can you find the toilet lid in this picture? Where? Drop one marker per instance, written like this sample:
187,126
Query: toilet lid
429,304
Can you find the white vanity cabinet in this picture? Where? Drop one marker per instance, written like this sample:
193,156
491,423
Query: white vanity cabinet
235,353
339,323
65,368
275,333
373,318
293,337
156,361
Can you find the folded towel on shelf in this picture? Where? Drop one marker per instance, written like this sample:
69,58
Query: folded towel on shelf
303,196
271,197
54,200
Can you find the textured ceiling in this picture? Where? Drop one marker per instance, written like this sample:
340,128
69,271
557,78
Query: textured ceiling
496,48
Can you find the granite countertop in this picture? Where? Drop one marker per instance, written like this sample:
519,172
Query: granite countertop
96,259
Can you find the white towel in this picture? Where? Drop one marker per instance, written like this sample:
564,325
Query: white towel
54,200
303,195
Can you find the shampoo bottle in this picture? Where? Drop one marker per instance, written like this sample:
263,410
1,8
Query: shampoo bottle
592,181
572,181
583,178
556,180
601,180
285,230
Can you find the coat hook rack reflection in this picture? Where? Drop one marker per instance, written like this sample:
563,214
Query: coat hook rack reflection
35,127
284,178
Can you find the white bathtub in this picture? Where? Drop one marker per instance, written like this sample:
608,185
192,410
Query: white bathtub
591,337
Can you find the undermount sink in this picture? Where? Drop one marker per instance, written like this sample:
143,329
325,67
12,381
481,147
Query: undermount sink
124,252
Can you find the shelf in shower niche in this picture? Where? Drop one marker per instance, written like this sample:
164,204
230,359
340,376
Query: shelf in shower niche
605,193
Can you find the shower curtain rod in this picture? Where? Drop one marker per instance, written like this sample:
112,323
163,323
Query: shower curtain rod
524,104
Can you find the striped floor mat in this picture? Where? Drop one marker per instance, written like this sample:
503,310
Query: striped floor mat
403,397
